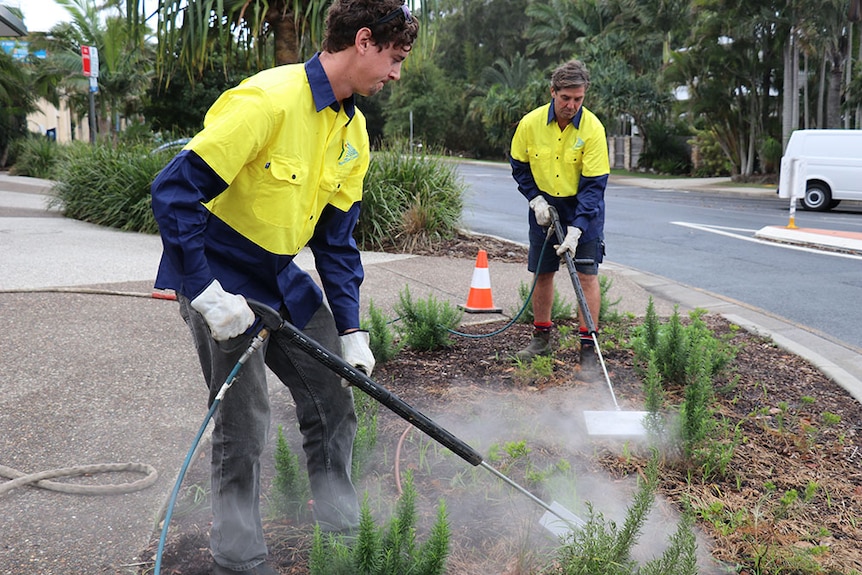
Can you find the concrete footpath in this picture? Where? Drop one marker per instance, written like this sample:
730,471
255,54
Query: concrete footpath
96,370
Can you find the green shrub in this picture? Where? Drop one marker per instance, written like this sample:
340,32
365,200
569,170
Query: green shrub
607,313
602,548
681,351
560,308
109,186
688,356
409,199
392,550
381,338
37,157
426,323
366,432
770,155
290,488
709,158
666,150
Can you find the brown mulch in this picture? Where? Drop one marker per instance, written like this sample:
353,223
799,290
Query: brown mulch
789,501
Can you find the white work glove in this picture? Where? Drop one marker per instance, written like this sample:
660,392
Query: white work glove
226,314
570,243
356,351
542,210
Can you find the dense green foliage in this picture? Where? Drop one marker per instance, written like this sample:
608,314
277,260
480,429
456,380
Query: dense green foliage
684,358
425,324
389,550
109,186
37,157
290,486
602,547
381,337
410,197
664,68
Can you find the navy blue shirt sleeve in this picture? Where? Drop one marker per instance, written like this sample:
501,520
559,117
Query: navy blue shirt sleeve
590,210
178,193
524,177
339,264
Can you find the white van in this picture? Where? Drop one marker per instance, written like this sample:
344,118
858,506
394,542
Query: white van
833,166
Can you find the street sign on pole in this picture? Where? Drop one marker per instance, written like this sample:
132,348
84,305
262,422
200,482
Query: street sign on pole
90,61
90,65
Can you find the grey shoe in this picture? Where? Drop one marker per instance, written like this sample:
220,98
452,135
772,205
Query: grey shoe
540,344
262,569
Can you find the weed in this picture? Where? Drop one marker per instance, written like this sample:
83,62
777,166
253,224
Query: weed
569,338
829,418
606,311
601,548
526,372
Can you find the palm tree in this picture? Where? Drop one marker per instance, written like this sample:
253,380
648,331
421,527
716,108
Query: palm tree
511,89
124,62
256,33
558,27
16,101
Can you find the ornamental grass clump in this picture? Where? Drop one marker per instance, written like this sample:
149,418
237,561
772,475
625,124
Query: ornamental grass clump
109,186
409,199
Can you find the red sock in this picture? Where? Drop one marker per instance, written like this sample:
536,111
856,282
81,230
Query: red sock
543,326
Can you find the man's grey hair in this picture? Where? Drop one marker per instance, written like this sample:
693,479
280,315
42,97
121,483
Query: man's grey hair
572,74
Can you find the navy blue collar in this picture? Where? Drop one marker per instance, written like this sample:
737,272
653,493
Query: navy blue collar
576,121
321,89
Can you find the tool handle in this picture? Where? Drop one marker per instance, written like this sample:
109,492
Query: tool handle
358,379
570,264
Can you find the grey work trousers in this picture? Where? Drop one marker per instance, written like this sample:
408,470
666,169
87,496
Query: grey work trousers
327,421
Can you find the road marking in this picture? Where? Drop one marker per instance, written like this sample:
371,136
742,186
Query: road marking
728,231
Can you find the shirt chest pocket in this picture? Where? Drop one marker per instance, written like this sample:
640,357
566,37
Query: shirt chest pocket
574,157
282,197
542,156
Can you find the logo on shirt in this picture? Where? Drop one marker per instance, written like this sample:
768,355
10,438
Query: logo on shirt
348,154
579,144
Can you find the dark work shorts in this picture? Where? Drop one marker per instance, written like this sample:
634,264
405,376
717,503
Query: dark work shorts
593,250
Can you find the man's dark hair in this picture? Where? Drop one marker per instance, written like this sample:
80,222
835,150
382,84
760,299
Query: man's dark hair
572,74
388,24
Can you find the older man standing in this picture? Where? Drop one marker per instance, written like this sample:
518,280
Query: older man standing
559,159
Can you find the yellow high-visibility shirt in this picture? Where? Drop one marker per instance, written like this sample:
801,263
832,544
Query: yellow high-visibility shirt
292,162
558,158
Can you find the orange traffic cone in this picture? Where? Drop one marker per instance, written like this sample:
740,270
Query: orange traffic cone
480,300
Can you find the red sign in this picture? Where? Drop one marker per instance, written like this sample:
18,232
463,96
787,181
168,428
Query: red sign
85,59
90,61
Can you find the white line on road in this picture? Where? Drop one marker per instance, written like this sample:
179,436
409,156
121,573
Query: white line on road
728,231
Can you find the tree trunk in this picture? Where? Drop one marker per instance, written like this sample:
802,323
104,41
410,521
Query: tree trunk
787,95
805,98
821,93
833,99
848,69
283,25
790,98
